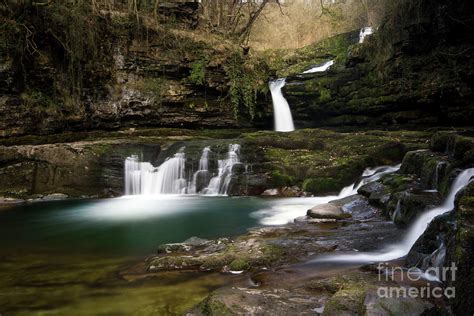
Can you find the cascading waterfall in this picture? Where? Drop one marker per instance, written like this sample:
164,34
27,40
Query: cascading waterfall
142,178
169,178
281,108
364,32
284,211
416,230
320,68
202,170
220,183
204,161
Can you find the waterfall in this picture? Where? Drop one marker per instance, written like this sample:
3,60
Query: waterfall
142,178
402,248
169,178
204,161
284,211
281,108
203,168
220,183
320,68
364,32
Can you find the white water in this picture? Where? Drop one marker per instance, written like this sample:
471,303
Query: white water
220,183
364,32
203,167
142,178
416,230
281,108
284,211
321,68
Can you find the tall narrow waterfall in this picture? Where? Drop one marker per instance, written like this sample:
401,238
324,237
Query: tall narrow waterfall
142,178
281,108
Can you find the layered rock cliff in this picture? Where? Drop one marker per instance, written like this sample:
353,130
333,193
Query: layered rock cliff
417,69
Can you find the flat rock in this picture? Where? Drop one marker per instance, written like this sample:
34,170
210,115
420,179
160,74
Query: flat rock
310,220
327,211
55,197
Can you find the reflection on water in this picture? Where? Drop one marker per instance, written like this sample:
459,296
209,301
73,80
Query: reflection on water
37,284
123,225
67,257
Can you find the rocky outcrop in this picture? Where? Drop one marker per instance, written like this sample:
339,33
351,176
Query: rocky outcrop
91,164
414,71
80,169
118,79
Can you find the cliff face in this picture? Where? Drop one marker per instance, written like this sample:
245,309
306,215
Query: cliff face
64,69
417,69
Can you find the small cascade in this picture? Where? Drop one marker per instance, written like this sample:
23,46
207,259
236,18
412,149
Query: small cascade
320,68
369,175
133,171
439,167
285,211
436,259
397,210
364,32
416,230
281,108
169,178
204,161
142,178
202,171
220,183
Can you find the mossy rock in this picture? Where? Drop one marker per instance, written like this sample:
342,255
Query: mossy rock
321,185
240,264
279,179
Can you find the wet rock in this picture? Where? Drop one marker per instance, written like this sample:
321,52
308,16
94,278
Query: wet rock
462,251
83,168
327,211
55,197
270,192
192,243
293,191
439,235
411,205
375,305
310,220
6,200
370,188
220,254
360,209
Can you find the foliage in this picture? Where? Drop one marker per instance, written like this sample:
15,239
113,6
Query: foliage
324,94
198,72
248,77
41,104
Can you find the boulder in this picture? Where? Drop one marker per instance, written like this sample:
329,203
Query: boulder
327,211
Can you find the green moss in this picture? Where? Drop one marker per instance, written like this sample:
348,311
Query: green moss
211,306
41,104
240,264
272,253
320,185
278,179
198,72
248,77
324,95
